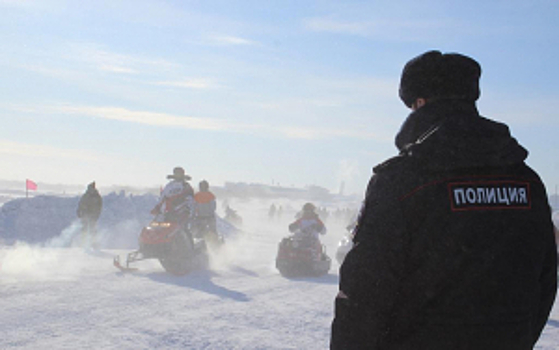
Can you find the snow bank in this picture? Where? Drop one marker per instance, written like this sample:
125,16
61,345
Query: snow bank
51,221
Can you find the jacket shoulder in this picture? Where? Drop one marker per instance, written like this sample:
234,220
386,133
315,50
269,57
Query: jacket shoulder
391,164
393,178
204,197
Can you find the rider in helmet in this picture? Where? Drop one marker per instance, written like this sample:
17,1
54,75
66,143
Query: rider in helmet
308,226
205,207
176,200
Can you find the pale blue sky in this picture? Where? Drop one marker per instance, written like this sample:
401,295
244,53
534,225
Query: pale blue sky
295,92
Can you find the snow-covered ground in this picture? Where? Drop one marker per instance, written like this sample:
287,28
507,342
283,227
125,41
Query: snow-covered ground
54,297
73,298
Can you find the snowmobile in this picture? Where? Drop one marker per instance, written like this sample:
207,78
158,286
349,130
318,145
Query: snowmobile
346,243
344,247
232,216
302,255
172,244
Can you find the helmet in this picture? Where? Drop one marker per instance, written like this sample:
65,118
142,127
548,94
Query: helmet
309,207
204,185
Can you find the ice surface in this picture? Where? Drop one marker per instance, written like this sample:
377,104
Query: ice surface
54,296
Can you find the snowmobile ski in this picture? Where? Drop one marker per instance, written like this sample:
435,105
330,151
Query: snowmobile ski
118,265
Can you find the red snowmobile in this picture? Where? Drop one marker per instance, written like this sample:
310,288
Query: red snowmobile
302,255
172,243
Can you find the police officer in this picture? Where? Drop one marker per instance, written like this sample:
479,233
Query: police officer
454,247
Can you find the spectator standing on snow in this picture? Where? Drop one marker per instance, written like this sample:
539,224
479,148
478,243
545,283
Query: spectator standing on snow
454,247
89,210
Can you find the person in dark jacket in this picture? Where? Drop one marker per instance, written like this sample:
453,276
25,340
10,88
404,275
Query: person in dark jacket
89,210
454,246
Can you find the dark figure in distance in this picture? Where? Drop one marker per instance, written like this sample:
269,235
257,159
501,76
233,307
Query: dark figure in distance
89,210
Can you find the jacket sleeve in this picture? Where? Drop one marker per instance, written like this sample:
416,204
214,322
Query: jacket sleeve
213,206
548,287
96,206
320,227
293,226
371,273
80,209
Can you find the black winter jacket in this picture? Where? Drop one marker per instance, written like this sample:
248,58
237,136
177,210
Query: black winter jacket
454,247
90,205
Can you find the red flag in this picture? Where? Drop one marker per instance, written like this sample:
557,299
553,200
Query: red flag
30,185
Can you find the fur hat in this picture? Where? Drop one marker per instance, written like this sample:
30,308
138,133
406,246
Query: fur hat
178,174
435,75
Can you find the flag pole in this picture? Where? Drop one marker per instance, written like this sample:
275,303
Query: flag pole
29,185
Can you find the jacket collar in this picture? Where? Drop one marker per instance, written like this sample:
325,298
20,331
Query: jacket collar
450,134
424,121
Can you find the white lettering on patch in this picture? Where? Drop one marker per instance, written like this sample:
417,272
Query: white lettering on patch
489,195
